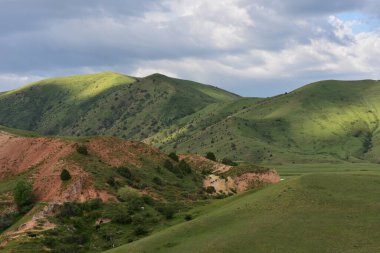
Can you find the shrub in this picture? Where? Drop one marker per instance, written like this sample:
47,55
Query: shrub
82,150
173,169
174,156
124,172
184,167
69,209
127,194
148,200
228,161
111,182
23,195
210,189
132,198
188,217
157,181
211,156
65,175
140,230
167,210
122,218
93,204
6,220
168,165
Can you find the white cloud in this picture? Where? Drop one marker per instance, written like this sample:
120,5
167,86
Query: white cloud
9,81
262,47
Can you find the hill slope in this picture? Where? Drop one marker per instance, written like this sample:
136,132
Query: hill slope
312,213
105,104
324,121
133,187
327,121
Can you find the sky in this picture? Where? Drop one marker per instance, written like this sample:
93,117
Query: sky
250,47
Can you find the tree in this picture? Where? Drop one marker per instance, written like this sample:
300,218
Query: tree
211,156
174,156
65,175
23,195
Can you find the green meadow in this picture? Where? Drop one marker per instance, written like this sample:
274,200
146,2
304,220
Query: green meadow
333,211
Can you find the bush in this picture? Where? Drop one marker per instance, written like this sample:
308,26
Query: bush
168,165
229,162
69,209
184,167
140,230
188,217
82,150
174,156
93,204
210,189
157,181
148,200
122,218
173,169
23,196
6,220
167,210
111,182
65,175
124,172
211,156
132,198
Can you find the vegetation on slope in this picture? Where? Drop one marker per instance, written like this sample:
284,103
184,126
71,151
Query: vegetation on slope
327,121
105,104
113,191
312,213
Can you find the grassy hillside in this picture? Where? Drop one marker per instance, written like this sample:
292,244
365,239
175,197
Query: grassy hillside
105,104
92,193
326,121
312,213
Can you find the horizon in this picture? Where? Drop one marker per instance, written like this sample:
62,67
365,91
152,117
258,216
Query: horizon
257,49
210,84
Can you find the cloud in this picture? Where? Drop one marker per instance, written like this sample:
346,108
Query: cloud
253,47
9,81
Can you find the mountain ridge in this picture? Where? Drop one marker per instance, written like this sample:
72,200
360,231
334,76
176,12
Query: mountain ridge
329,120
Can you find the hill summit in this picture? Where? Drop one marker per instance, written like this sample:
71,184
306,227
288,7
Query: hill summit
326,121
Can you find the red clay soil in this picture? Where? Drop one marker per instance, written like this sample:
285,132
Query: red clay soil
241,183
45,158
117,152
238,183
18,154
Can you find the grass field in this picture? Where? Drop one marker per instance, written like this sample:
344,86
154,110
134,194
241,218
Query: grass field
336,211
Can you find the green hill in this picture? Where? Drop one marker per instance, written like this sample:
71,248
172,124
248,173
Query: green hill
105,104
324,121
327,121
312,213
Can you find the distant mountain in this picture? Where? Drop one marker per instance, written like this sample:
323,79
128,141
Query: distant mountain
323,121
